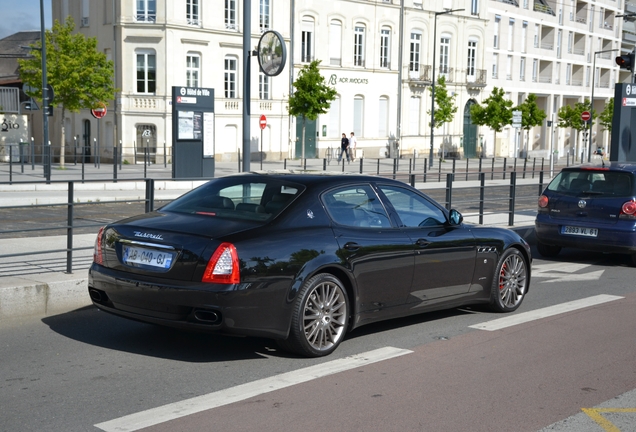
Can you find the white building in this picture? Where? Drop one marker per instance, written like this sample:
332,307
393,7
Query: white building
377,54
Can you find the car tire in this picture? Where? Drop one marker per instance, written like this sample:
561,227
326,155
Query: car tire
319,318
510,282
548,251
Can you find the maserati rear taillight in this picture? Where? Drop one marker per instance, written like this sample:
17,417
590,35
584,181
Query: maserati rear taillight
98,251
223,266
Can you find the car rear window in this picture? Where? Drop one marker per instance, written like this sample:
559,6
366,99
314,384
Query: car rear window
593,182
258,199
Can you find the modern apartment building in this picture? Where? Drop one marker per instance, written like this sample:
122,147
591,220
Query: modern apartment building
379,55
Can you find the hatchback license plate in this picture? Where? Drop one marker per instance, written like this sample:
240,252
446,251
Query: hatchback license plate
136,255
580,231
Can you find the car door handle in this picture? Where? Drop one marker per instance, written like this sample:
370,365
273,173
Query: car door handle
422,242
351,246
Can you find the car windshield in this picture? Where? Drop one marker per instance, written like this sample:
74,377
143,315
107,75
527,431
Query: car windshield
593,182
246,198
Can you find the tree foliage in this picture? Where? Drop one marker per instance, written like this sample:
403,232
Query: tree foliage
531,115
495,112
570,116
312,96
446,109
81,76
605,118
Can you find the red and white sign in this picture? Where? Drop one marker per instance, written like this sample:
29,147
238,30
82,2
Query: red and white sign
100,111
586,116
262,121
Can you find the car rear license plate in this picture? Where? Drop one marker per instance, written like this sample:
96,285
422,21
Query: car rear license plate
579,231
136,255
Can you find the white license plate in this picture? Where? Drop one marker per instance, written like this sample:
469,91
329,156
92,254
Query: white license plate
136,255
580,231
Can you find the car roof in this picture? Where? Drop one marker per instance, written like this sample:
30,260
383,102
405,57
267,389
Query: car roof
629,167
319,177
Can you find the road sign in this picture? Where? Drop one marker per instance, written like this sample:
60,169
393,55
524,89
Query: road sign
263,121
586,116
516,119
100,111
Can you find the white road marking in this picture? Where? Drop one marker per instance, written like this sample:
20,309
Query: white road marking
524,317
562,272
197,404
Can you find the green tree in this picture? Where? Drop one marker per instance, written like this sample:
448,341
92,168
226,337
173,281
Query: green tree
81,75
312,96
445,105
605,118
570,117
495,113
531,116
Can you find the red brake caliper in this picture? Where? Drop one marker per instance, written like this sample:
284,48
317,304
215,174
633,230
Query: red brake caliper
501,276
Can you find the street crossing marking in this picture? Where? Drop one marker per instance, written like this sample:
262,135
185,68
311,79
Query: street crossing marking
208,401
560,272
525,317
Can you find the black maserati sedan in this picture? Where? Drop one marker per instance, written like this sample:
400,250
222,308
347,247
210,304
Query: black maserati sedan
302,258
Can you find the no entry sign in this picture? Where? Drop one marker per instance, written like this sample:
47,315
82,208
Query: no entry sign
262,122
100,111
586,116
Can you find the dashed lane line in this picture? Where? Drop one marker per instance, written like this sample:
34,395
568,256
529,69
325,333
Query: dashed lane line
525,317
197,404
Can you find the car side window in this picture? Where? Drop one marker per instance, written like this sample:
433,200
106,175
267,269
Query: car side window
413,209
356,206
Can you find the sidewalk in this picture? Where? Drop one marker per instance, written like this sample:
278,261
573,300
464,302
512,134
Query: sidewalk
39,285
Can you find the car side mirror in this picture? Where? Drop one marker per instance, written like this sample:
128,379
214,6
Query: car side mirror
455,217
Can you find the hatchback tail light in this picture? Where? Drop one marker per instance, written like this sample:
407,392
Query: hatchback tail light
543,201
98,251
223,266
628,210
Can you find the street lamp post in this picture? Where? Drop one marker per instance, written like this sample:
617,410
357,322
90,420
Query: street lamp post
430,154
589,147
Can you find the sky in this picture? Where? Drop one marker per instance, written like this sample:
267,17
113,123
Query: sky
22,15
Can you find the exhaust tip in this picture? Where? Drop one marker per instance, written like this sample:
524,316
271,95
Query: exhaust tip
97,295
207,316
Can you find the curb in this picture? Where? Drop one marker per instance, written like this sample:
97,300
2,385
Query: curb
43,299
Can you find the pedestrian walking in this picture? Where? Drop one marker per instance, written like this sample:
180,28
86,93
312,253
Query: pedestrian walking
353,142
344,147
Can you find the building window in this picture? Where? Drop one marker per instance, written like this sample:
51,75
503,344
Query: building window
358,45
535,69
559,41
568,73
146,10
333,129
192,12
146,72
265,16
471,60
383,118
263,86
570,40
414,54
193,70
358,114
524,36
230,15
511,34
335,43
230,77
307,40
474,7
495,65
522,69
385,44
414,116
509,68
444,53
496,31
536,35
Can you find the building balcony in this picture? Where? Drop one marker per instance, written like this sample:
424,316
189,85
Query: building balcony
477,80
510,2
420,76
543,8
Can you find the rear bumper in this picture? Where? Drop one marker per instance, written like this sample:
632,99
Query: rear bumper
255,309
616,238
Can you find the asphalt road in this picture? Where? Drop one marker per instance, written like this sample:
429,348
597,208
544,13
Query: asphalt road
81,368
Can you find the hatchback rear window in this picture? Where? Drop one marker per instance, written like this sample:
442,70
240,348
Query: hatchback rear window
248,198
591,182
